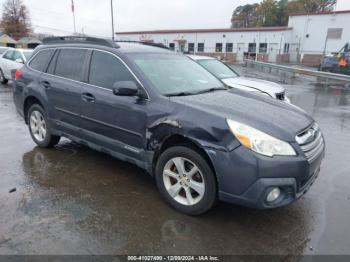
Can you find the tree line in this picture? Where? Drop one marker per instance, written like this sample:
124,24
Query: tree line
15,20
276,12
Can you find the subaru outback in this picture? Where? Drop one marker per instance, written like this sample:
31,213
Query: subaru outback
168,115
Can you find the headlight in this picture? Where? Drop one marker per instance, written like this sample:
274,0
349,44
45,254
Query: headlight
259,141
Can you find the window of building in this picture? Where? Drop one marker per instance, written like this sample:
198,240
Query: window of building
252,48
191,47
172,46
229,47
263,48
105,70
200,47
40,61
70,63
286,48
218,47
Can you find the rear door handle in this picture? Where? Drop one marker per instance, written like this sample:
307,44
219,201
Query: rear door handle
87,97
46,84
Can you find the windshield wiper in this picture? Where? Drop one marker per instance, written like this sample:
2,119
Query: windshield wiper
181,94
211,90
198,92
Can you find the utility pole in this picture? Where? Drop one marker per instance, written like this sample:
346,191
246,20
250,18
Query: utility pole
112,20
75,30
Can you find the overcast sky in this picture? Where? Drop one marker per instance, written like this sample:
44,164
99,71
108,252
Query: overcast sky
93,16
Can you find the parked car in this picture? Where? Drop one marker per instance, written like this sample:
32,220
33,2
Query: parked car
12,59
333,63
232,79
168,115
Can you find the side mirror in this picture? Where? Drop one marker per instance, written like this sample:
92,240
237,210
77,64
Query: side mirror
125,88
19,60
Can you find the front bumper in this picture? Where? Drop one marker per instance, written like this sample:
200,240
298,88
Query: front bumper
255,196
245,178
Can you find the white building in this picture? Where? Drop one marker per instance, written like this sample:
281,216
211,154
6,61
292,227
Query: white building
306,38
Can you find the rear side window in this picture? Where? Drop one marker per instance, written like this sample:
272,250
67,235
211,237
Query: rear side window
41,59
70,63
106,69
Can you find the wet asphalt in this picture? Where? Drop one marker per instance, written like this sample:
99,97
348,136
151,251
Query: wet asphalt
73,200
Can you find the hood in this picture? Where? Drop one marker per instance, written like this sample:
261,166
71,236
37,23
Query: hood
247,84
271,116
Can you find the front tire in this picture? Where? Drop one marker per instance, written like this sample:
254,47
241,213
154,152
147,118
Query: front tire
3,80
39,127
185,180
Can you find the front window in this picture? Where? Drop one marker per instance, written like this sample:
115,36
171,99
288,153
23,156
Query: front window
175,74
106,69
217,68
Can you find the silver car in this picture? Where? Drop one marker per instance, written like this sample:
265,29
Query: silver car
232,79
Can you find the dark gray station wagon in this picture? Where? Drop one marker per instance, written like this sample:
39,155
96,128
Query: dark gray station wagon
165,113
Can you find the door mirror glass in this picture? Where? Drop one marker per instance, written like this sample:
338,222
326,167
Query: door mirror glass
125,88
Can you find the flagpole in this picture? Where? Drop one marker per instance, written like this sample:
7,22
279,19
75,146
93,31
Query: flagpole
112,20
75,30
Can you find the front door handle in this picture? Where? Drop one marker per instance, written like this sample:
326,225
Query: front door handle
46,84
87,97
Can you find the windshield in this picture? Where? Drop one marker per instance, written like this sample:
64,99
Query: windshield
175,74
217,68
27,54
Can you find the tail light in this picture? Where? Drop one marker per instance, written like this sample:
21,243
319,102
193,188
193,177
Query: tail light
18,74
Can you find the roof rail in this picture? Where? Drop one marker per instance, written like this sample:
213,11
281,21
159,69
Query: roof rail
79,39
160,45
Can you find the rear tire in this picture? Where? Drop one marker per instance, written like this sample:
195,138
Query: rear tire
185,180
39,127
3,80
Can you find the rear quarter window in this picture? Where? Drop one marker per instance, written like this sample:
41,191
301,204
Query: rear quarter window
41,59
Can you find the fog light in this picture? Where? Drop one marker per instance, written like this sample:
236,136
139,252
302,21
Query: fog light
273,194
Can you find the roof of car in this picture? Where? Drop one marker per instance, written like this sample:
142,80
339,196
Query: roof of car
118,46
197,57
20,49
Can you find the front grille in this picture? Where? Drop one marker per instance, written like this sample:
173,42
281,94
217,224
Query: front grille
280,96
311,142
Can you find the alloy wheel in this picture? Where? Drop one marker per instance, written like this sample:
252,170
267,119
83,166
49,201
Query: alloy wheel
38,125
183,181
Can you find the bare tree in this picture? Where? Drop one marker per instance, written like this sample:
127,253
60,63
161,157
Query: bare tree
15,18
